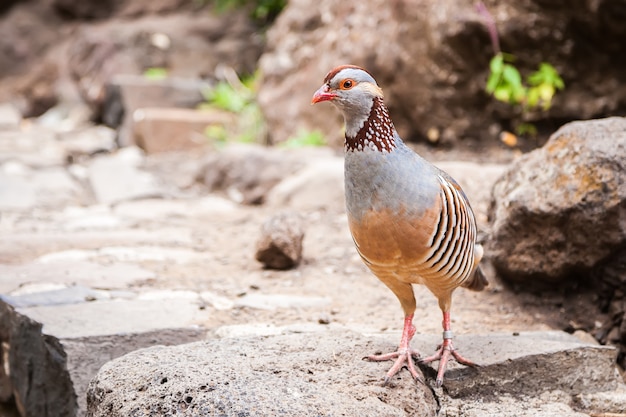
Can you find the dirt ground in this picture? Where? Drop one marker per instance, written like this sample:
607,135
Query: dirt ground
331,268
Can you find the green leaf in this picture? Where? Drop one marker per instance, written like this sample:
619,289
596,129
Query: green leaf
512,76
502,93
532,98
492,82
496,64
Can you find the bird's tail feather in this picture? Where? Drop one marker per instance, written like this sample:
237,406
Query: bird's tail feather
477,281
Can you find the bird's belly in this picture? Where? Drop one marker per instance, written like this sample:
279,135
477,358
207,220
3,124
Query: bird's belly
391,242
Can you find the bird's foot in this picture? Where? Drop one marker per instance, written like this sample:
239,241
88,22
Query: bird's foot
443,354
403,358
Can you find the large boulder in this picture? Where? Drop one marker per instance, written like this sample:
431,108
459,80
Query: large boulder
432,59
560,210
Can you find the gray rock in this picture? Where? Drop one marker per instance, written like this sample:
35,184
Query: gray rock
513,364
69,295
603,403
280,243
37,365
88,141
126,254
67,116
152,209
289,375
24,188
318,186
551,404
320,373
114,276
118,177
36,148
559,211
53,350
15,245
247,172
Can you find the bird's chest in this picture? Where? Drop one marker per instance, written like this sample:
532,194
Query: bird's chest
392,211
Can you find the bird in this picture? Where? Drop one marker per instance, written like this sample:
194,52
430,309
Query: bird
410,221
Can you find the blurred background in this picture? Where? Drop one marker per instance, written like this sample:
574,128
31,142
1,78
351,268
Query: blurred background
261,59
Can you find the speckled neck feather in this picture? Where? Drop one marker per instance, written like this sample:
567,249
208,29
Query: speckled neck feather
377,133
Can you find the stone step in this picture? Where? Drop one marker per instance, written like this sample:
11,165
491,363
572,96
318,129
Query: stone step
54,350
322,373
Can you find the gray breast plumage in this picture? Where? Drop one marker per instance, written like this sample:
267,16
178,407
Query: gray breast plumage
398,180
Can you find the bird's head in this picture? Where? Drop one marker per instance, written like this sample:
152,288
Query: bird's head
352,89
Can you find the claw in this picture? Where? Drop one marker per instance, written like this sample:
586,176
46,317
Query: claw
403,358
443,354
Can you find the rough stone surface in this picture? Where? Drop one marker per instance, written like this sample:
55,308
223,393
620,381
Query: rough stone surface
603,402
317,186
321,373
65,341
171,129
37,367
252,376
33,147
561,210
514,364
88,141
22,187
280,243
246,172
119,177
432,60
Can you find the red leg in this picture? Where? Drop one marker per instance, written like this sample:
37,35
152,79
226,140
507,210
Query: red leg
403,356
445,351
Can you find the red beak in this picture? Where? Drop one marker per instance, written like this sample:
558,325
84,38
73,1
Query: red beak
323,94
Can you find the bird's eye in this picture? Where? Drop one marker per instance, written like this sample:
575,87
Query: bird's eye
346,84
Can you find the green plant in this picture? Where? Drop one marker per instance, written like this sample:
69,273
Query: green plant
506,85
155,73
305,138
237,96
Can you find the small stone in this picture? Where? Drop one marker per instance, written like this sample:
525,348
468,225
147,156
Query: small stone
280,244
